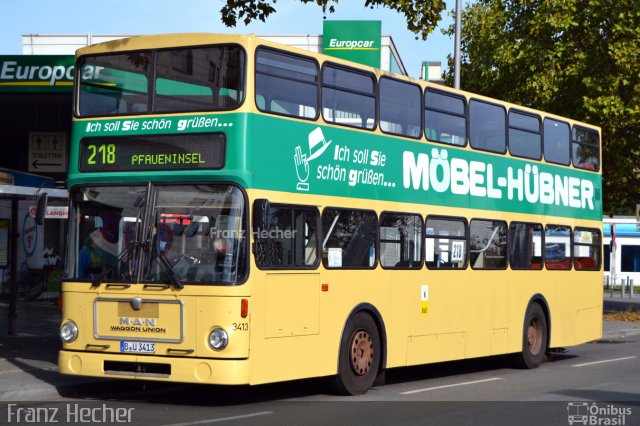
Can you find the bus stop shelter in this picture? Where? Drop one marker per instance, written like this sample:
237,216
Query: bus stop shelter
25,246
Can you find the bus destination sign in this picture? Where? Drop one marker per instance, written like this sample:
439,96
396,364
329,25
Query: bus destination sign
153,152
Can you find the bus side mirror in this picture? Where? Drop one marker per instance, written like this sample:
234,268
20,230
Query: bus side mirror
41,210
260,215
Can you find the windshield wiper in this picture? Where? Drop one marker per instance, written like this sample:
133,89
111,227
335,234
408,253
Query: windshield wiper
129,252
125,256
167,269
165,266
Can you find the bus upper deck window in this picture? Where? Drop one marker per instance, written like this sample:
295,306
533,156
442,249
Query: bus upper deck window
286,84
113,84
348,97
199,79
525,139
487,128
585,149
399,108
445,118
557,142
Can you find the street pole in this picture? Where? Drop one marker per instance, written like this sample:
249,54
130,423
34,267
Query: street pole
13,272
456,58
613,248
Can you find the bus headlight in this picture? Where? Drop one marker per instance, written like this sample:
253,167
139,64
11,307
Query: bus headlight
68,331
218,339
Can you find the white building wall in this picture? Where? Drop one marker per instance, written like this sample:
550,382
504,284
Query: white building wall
36,44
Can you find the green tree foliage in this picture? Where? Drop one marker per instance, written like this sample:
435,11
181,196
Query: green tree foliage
422,15
575,58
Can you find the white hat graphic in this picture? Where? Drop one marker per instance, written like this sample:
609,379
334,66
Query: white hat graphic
317,143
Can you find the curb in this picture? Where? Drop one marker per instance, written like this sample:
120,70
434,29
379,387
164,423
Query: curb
622,334
620,305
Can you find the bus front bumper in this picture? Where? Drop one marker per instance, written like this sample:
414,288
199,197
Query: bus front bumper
159,368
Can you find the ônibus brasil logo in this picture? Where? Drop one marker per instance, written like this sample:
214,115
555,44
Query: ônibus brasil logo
585,413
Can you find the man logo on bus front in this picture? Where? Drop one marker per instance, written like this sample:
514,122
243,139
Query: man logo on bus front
317,145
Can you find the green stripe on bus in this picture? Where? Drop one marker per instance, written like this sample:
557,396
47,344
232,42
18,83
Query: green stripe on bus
307,158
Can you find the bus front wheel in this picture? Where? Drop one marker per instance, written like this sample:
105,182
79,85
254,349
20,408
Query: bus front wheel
359,358
534,339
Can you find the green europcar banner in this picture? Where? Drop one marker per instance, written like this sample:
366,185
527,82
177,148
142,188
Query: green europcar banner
272,153
36,74
357,41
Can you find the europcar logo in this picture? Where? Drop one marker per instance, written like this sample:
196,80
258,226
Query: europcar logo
12,71
335,44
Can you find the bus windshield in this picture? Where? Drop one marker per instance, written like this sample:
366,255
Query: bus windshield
209,78
173,234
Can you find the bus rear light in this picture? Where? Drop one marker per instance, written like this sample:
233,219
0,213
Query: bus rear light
244,308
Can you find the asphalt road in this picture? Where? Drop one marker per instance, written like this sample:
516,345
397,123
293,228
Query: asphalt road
597,382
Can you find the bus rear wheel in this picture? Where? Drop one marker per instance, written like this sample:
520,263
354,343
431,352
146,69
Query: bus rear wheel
534,339
359,358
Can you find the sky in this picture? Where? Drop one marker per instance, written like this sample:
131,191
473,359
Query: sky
135,17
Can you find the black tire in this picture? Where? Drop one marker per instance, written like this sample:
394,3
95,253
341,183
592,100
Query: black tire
535,338
359,358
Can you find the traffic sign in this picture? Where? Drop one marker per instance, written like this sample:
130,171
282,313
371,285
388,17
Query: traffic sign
47,152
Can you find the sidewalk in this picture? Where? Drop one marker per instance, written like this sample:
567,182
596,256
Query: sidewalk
28,361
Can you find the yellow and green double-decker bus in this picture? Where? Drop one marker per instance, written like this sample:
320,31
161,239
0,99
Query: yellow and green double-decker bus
243,212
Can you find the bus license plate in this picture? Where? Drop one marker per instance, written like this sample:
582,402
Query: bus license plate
138,347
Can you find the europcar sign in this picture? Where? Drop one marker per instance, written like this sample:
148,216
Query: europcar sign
36,73
357,41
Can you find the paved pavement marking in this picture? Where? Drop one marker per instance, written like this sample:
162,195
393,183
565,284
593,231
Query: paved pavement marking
223,419
450,386
604,360
18,370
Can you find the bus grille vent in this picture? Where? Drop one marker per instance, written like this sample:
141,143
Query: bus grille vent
142,369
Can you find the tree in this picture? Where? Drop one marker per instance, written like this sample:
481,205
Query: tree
575,58
422,15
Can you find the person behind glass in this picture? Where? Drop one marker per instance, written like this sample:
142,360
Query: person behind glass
100,248
222,248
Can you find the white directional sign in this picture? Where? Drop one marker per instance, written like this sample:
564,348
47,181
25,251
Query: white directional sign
52,212
47,152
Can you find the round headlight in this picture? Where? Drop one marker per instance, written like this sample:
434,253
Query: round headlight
68,332
218,339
